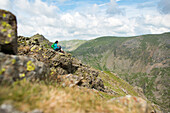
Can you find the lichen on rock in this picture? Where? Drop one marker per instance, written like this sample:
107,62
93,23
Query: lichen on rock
8,32
30,66
14,68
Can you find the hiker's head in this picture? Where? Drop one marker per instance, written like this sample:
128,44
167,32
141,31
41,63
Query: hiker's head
56,41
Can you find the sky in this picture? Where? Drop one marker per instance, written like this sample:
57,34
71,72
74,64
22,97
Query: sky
89,19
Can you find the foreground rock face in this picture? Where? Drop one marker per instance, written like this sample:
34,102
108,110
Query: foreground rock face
8,32
14,68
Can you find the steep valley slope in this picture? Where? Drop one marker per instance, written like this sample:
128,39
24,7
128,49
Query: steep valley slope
141,60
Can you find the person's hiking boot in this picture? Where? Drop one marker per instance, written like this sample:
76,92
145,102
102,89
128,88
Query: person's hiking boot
61,54
61,51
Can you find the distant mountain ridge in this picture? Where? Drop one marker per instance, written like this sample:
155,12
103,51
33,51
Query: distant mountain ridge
140,60
71,44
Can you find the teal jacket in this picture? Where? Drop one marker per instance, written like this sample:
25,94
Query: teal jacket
55,46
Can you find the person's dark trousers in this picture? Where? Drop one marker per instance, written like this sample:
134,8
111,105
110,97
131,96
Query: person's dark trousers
58,48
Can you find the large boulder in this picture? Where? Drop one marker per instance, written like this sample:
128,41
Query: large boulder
14,68
8,32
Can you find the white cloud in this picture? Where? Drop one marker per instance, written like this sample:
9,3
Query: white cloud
114,9
35,8
35,17
85,22
164,6
5,4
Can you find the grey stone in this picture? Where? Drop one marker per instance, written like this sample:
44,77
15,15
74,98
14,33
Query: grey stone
8,108
36,111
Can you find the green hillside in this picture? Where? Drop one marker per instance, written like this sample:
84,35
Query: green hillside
141,60
71,44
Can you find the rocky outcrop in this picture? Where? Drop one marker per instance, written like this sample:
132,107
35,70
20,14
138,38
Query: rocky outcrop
35,40
63,67
14,68
8,32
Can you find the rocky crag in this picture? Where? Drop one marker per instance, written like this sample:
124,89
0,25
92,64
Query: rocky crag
35,77
61,64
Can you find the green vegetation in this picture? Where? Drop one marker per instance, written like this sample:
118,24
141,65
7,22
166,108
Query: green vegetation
151,83
119,86
141,60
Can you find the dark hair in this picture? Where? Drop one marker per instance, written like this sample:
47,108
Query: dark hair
56,41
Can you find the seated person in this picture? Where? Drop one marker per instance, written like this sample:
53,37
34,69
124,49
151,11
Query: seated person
56,47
